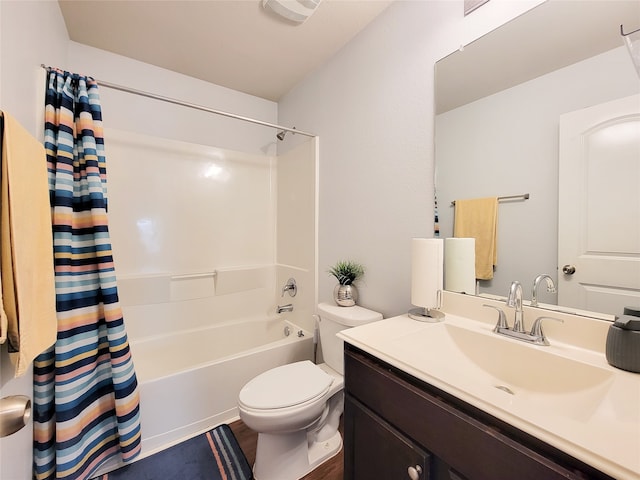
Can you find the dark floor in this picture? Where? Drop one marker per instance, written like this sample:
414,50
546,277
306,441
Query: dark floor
330,470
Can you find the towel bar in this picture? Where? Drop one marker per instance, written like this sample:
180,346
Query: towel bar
524,196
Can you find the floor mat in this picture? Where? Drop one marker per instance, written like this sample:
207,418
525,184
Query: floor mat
214,455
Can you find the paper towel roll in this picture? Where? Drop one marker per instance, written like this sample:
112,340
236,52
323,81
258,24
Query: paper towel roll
427,262
460,265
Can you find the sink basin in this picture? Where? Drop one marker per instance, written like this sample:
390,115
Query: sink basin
506,371
525,367
518,366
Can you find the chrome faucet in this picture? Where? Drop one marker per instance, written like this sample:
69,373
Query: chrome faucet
551,287
515,300
536,336
285,308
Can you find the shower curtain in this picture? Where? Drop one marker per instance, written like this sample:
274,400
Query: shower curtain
86,403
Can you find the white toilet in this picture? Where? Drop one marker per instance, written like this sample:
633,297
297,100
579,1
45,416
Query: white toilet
296,408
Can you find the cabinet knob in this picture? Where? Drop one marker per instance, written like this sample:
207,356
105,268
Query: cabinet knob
414,472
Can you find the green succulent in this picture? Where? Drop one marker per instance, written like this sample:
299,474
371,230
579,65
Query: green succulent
347,271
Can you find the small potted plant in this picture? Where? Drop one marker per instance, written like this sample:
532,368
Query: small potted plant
346,272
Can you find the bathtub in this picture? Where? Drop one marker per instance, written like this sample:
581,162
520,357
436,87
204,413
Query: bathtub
189,381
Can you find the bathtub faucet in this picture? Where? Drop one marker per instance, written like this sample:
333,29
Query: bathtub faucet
285,308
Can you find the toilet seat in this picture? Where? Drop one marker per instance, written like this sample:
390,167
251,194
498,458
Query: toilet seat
285,386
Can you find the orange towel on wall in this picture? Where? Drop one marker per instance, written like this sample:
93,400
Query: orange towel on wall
478,218
28,307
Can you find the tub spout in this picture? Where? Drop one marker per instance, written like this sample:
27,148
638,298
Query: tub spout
285,308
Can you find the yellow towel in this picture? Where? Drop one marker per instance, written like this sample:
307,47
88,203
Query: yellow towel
478,218
28,308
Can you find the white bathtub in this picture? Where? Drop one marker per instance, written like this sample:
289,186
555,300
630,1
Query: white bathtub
189,381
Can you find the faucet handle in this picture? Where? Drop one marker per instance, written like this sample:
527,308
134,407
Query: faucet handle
536,330
290,287
502,318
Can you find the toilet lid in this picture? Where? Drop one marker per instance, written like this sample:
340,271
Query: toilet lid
285,386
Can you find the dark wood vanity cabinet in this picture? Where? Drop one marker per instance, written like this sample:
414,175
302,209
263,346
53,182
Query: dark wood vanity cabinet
389,454
398,427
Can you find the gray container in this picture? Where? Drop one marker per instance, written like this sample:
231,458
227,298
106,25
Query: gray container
623,343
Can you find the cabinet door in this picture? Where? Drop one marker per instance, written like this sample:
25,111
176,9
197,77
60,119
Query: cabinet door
375,450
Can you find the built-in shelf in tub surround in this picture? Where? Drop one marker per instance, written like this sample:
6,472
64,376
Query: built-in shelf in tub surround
145,289
565,394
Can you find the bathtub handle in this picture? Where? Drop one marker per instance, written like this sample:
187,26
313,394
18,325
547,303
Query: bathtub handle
290,287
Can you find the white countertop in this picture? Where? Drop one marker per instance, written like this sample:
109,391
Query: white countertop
565,395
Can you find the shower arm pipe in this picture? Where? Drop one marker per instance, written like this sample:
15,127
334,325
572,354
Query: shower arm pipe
195,106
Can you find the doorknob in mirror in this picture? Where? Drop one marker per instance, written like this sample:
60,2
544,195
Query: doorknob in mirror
569,269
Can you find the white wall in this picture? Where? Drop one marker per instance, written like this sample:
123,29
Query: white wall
507,144
31,33
372,106
178,212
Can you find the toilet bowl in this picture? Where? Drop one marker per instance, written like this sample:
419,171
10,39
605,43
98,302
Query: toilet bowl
296,408
287,398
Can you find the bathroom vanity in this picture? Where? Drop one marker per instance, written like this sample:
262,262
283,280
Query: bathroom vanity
402,426
455,401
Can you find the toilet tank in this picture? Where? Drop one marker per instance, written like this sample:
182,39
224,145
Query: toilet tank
333,319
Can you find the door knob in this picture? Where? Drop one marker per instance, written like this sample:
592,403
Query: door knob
15,412
569,269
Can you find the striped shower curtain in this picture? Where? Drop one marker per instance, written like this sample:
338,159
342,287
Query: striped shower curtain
86,403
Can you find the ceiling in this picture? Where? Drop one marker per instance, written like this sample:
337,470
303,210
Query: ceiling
238,44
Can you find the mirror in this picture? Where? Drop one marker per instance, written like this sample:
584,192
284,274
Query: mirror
498,103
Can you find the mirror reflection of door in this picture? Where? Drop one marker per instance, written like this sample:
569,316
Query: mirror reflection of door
599,173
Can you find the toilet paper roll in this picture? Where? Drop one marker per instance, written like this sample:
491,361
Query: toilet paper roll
427,263
460,265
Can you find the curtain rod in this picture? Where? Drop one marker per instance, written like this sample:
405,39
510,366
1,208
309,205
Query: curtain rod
524,196
195,106
627,34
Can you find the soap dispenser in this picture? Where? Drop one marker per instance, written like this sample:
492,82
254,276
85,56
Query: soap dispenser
623,341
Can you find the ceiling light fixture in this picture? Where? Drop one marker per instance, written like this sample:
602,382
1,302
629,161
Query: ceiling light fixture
296,11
